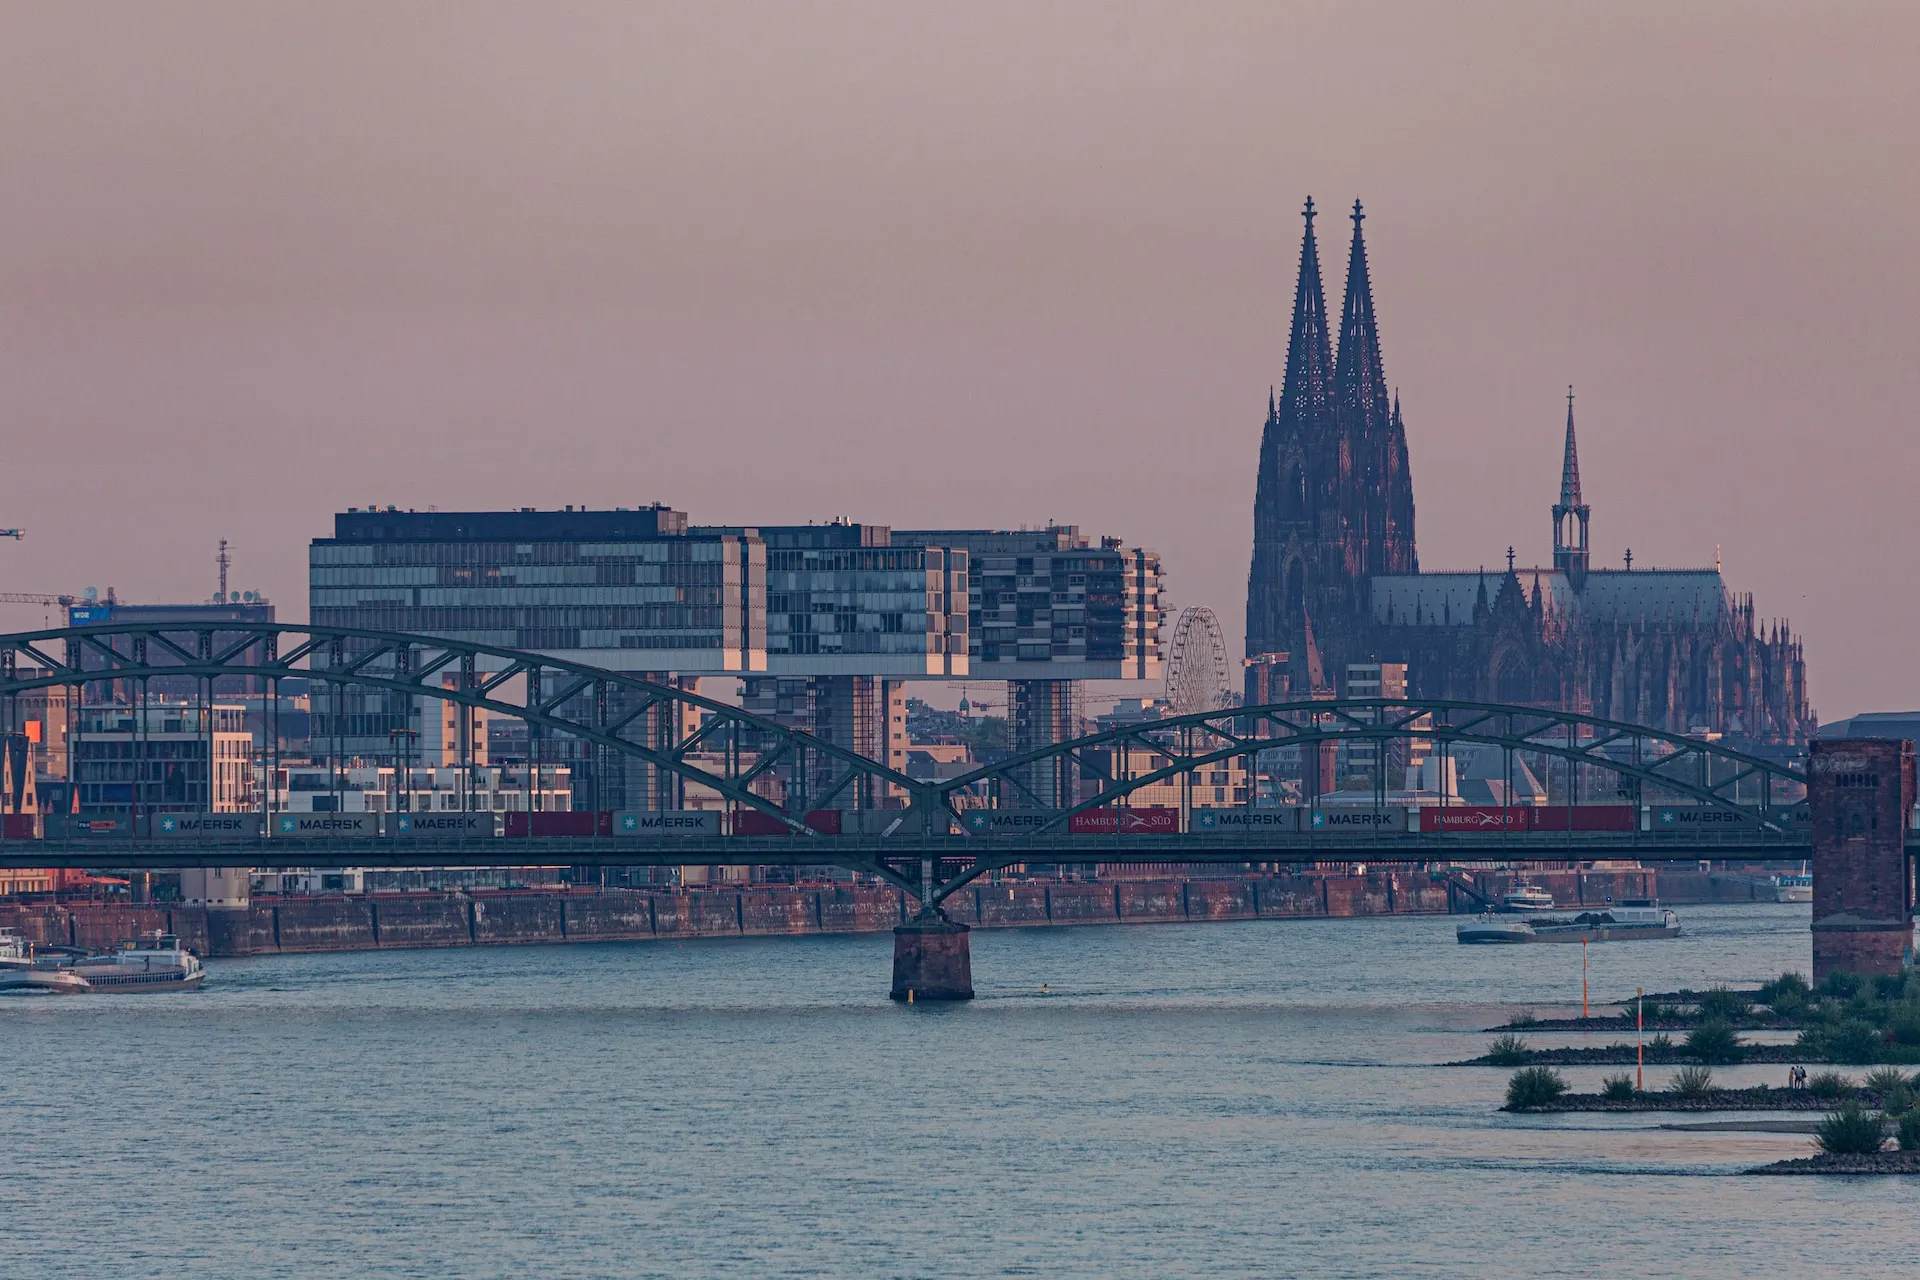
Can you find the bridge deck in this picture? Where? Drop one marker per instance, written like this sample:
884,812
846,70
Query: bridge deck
1199,848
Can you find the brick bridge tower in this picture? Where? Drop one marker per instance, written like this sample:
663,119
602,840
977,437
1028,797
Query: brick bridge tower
1861,793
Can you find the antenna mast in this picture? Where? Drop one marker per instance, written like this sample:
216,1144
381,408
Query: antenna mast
223,560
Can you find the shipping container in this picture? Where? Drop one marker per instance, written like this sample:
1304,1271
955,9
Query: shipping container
1478,819
1357,820
1126,822
19,826
1008,822
439,826
324,826
667,822
580,823
1247,822
1585,817
1695,817
207,828
753,822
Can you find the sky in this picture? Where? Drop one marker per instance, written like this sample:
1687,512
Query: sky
971,264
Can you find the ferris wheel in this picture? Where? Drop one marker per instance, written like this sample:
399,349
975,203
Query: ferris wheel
1197,675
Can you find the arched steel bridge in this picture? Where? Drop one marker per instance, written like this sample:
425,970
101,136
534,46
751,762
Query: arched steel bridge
755,763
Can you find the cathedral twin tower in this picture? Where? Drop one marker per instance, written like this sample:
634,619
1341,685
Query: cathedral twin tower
1334,502
1336,581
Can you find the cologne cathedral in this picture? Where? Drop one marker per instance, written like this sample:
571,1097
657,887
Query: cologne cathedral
1336,580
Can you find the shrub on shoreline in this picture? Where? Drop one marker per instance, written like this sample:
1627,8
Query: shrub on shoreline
1829,1084
1535,1087
1787,984
1714,1043
1507,1051
1885,1079
1617,1088
1909,1135
1525,1018
1852,1041
1850,1131
1724,1004
1692,1082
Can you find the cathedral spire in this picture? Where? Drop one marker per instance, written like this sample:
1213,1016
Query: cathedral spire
1570,553
1359,378
1307,391
1570,466
1301,469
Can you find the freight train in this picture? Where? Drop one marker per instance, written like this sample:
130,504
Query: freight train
1251,824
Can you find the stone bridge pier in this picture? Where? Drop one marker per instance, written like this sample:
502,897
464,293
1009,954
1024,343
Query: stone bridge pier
1860,792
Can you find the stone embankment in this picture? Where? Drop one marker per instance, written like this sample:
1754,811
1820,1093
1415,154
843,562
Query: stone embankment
380,921
401,920
1759,1098
1878,1164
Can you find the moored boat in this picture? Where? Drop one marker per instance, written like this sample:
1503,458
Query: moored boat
22,971
156,962
1793,888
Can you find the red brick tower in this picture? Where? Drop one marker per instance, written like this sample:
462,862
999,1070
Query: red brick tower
1861,791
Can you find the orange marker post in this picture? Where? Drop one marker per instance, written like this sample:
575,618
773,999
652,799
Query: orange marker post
1583,977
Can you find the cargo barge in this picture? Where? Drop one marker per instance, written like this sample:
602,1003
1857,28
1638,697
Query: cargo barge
1627,922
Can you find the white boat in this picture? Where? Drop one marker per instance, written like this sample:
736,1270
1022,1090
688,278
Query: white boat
21,970
1626,922
156,962
1793,888
1527,897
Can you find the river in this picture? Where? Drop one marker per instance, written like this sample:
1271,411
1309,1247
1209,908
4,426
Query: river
1255,1098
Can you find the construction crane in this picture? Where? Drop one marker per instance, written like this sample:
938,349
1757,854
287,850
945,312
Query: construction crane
26,597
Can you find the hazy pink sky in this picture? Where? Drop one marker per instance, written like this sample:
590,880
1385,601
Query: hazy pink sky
974,265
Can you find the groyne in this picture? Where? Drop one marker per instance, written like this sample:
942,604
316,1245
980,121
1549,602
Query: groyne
381,921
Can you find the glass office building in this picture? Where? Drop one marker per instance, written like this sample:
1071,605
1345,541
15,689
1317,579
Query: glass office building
626,590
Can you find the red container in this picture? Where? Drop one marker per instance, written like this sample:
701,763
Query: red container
575,822
1476,819
1586,817
1135,822
753,822
20,826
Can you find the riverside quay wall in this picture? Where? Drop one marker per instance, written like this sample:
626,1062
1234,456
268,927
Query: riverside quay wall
400,920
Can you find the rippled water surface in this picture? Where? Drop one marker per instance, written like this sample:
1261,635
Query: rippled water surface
1189,1100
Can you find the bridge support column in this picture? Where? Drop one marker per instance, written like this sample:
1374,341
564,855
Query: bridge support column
1860,792
932,959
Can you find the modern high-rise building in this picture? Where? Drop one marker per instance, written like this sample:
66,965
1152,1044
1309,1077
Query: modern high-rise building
821,622
1047,609
629,590
137,763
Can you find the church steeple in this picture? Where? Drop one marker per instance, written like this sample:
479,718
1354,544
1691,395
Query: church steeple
1297,489
1307,391
1359,379
1570,552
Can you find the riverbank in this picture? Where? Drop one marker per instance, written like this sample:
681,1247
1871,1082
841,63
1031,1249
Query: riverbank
1758,1098
292,925
382,921
1625,1055
1877,1164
